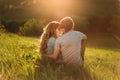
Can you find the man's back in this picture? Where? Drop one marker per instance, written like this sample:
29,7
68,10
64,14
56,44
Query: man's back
69,45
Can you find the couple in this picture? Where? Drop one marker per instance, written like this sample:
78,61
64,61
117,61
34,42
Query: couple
61,43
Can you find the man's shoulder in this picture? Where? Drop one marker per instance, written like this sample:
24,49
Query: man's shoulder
77,32
80,34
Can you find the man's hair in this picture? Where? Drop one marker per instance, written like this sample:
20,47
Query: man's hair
67,23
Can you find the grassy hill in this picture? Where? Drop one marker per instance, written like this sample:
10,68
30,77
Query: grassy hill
19,60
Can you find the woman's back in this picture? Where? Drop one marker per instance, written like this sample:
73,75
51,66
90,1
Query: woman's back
50,45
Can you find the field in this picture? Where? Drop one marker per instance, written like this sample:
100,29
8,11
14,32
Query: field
19,60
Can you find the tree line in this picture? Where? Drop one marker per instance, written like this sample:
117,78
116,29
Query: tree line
97,15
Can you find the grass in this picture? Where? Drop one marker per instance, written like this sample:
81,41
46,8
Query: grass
17,56
20,61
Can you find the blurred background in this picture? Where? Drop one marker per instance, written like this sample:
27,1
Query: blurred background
90,16
21,25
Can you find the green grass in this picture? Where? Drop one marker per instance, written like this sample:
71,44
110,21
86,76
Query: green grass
20,61
17,56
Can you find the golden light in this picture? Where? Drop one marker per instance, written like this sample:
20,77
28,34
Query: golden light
61,7
56,4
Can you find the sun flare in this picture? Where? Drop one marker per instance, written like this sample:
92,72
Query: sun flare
60,7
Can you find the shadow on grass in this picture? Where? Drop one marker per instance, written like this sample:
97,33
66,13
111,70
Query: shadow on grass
48,70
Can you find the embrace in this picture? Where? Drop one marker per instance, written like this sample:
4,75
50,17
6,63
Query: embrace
61,43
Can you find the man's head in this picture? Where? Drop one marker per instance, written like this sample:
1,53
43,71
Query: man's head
66,24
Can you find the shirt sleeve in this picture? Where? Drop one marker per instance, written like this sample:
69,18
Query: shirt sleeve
57,45
83,36
50,45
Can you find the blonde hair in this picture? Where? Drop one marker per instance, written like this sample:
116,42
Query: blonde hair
67,23
49,31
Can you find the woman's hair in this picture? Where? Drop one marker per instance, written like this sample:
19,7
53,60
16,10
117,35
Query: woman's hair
67,23
48,32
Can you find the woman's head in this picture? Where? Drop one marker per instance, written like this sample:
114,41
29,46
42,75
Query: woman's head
49,31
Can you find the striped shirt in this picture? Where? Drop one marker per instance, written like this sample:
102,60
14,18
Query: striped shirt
69,46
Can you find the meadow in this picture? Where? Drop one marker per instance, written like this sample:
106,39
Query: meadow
19,60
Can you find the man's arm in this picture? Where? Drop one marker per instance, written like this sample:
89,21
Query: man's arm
56,51
83,43
54,55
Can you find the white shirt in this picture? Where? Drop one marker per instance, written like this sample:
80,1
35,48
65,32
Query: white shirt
69,45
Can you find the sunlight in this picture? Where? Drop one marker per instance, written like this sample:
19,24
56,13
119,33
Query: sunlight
56,4
61,7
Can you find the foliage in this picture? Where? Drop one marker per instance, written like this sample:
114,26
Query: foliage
17,57
12,26
32,27
2,28
81,23
103,10
115,25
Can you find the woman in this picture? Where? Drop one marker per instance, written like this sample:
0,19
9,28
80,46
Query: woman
48,38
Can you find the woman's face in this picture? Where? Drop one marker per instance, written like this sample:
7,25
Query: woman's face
58,32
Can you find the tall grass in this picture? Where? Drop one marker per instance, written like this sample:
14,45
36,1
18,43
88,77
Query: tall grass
20,61
17,56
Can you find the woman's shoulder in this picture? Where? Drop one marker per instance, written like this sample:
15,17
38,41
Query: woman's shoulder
51,39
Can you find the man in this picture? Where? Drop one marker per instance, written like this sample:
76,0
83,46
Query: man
71,44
